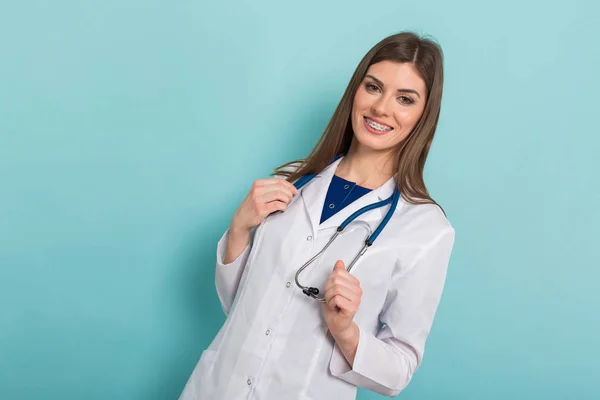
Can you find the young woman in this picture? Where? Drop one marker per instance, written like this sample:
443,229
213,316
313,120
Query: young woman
318,332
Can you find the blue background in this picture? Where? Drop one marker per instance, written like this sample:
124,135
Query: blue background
131,130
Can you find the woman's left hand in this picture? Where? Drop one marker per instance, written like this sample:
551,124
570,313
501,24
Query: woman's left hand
342,298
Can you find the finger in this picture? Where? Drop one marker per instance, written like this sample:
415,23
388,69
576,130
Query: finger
329,295
342,277
346,307
285,186
274,195
340,269
344,280
351,294
275,206
290,186
278,181
258,191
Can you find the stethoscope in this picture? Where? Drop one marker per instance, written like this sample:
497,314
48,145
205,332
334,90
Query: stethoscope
393,199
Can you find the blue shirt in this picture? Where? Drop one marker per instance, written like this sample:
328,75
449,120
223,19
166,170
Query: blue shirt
340,193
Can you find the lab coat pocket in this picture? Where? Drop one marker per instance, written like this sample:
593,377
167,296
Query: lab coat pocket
198,384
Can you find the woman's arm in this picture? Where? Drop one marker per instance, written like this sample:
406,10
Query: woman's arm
265,197
232,254
385,362
237,242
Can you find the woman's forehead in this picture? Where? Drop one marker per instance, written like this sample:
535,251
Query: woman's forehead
397,75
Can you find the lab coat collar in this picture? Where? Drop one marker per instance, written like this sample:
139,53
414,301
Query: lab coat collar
314,193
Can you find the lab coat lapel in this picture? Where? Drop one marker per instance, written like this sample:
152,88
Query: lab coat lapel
314,193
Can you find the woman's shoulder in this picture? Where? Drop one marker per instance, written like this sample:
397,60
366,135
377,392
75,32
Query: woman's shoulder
425,220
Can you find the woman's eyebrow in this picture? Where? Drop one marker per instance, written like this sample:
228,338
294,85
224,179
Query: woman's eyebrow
399,90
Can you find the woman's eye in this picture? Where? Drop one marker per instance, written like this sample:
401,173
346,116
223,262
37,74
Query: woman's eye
405,100
371,88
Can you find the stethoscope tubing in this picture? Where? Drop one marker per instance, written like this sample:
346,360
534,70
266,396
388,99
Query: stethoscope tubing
393,199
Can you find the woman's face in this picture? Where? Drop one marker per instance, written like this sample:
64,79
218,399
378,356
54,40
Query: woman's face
387,105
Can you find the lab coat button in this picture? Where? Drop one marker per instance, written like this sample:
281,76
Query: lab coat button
288,284
267,332
249,381
309,238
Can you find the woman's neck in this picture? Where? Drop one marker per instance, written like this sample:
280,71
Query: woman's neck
367,168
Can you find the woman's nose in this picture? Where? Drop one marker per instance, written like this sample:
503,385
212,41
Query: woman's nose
380,106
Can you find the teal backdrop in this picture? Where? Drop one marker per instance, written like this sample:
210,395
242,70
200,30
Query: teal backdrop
131,130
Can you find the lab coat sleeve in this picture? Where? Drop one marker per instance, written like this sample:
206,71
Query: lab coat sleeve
385,363
227,276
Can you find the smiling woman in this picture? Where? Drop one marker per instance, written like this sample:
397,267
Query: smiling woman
392,106
369,327
390,110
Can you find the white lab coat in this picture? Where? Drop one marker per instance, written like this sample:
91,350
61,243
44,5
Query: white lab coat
274,344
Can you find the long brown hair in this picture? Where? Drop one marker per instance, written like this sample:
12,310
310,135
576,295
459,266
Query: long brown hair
426,56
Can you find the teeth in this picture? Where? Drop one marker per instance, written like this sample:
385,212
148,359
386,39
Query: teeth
377,126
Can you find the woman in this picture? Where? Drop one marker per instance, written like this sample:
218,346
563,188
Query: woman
370,331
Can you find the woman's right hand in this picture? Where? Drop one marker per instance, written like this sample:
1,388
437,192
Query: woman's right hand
265,197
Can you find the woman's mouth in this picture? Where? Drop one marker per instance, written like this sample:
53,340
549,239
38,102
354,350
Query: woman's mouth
375,127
